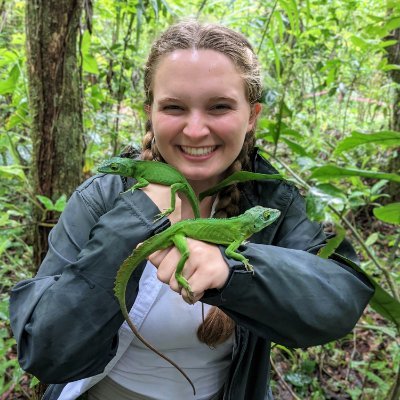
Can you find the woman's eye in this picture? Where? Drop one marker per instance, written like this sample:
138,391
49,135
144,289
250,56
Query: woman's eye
221,107
172,107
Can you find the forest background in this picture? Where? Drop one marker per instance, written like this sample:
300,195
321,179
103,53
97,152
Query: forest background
71,95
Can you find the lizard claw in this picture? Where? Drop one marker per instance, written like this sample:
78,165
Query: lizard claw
163,214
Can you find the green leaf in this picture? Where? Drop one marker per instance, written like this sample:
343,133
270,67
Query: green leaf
8,85
332,191
390,67
298,379
382,302
332,243
315,208
154,4
90,64
61,203
389,213
86,39
296,148
12,171
48,204
383,138
372,239
359,42
392,24
328,172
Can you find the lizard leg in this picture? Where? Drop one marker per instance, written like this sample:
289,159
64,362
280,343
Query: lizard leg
175,187
180,243
232,253
141,182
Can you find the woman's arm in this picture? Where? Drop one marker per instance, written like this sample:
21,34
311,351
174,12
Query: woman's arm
65,320
294,297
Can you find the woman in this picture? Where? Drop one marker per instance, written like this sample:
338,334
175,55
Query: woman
202,84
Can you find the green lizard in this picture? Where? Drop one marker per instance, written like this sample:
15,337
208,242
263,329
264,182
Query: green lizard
162,173
226,231
236,177
146,172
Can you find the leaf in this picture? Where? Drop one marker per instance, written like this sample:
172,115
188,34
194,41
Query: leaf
359,42
332,243
12,171
85,46
315,208
90,64
383,138
8,85
60,203
296,148
392,24
389,213
48,204
154,4
382,302
334,172
372,239
298,379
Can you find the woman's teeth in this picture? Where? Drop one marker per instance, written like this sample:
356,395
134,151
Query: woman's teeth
198,151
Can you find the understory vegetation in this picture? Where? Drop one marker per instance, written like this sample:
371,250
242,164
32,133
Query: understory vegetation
330,123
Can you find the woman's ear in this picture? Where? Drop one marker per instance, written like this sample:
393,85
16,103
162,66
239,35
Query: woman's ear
254,112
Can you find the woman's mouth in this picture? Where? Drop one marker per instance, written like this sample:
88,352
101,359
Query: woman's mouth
198,151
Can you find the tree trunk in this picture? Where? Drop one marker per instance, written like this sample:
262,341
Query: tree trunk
55,105
394,58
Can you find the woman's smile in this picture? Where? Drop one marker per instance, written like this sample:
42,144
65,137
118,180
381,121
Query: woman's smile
198,152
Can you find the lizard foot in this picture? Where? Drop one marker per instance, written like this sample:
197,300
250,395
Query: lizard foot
248,267
184,284
163,214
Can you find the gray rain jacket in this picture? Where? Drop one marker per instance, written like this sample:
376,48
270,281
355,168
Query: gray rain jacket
66,319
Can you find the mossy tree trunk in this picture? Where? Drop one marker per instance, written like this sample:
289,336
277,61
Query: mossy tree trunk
394,58
55,105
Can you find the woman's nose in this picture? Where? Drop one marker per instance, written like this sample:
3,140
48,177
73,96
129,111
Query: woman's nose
196,125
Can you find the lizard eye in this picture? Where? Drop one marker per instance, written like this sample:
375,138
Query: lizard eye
266,214
114,167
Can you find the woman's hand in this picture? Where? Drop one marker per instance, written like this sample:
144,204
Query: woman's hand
204,269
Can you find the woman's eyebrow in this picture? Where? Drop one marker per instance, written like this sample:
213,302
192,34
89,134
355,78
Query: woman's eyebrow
167,99
222,98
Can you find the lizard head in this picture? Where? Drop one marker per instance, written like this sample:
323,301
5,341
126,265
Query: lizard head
261,217
116,166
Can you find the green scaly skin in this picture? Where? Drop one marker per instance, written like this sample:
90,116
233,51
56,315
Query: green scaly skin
146,172
231,232
236,177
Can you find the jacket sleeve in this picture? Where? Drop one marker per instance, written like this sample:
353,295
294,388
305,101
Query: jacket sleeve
294,298
66,319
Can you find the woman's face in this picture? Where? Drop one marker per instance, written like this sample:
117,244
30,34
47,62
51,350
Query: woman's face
200,114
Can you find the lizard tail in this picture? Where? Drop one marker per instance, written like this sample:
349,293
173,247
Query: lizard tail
152,348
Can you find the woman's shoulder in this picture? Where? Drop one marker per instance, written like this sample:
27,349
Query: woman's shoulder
100,191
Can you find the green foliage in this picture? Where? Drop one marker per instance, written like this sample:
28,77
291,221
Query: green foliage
389,213
326,124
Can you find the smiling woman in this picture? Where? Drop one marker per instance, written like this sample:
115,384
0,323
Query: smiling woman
200,114
202,85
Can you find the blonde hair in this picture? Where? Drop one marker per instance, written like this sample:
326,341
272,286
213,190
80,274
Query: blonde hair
192,34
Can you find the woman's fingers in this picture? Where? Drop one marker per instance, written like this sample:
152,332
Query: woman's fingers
204,269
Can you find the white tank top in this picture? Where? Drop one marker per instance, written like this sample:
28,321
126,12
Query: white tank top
170,324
